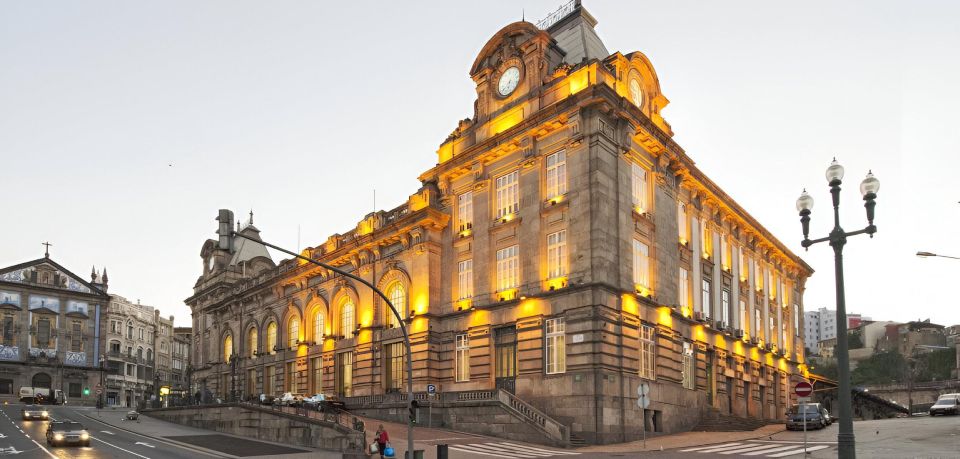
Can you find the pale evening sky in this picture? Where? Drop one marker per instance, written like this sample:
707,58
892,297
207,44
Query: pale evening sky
124,126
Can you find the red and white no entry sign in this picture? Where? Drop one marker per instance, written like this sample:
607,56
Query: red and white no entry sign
803,389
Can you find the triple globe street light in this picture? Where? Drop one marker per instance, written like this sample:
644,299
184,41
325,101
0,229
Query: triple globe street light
837,239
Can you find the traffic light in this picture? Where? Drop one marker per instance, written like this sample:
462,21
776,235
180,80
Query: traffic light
414,405
86,391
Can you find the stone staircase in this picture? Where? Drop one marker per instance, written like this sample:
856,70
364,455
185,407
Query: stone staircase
715,421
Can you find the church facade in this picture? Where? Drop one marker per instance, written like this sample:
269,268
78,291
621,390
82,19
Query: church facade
563,249
50,330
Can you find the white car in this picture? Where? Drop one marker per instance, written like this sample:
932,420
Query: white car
288,399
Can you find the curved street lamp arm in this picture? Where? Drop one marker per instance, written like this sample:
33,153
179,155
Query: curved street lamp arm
403,326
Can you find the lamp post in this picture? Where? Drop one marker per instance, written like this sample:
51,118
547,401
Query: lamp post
103,360
227,234
837,239
931,254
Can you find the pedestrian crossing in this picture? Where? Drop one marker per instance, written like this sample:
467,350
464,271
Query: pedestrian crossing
509,450
759,448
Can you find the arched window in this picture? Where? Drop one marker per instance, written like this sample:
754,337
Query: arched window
227,347
346,317
130,329
318,327
140,353
398,296
150,355
271,337
293,332
252,341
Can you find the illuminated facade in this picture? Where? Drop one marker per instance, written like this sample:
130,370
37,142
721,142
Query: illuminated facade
564,248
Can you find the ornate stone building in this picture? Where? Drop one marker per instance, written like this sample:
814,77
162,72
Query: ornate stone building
563,249
130,360
50,329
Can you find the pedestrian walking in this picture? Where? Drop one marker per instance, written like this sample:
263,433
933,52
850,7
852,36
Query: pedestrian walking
381,438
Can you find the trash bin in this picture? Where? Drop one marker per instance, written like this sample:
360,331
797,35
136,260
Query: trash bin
443,452
417,454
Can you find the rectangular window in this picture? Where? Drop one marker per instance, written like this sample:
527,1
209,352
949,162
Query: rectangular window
43,333
8,330
508,268
345,374
270,380
757,330
758,275
465,211
796,319
683,223
706,239
684,288
641,265
555,346
743,315
688,367
556,174
744,265
706,299
393,355
463,358
771,328
725,305
639,183
316,367
251,378
76,337
648,351
557,254
74,390
292,377
725,253
508,195
465,279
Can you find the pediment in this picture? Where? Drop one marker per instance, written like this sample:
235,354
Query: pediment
46,273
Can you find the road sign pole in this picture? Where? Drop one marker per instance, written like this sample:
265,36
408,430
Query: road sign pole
802,406
643,422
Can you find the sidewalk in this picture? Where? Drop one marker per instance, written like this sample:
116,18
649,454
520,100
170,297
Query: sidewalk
158,430
683,440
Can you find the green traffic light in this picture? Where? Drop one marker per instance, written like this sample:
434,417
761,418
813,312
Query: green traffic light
86,391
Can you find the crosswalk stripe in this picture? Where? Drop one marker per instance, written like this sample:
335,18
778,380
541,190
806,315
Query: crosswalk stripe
799,451
510,450
709,447
473,449
551,451
722,448
782,448
754,447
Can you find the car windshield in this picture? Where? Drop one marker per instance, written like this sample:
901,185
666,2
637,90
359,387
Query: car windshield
68,426
30,407
808,409
947,401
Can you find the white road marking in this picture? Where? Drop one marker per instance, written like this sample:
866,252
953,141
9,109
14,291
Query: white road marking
745,448
709,447
799,451
782,448
44,449
108,432
115,446
532,448
148,445
785,442
474,450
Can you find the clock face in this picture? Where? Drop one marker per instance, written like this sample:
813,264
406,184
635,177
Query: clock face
508,81
636,95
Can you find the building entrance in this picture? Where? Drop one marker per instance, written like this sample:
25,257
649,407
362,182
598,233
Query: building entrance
505,351
41,380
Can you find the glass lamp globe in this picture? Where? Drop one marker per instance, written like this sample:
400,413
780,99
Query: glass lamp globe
804,202
869,185
835,171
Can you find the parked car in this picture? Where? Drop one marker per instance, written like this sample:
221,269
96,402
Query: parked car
314,401
67,433
946,404
34,412
809,411
288,399
826,415
266,399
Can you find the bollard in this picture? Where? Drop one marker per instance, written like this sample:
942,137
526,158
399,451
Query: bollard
417,454
443,452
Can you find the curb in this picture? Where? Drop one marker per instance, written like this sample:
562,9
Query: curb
187,446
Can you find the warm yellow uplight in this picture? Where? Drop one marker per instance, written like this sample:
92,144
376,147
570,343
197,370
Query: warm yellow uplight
445,152
508,217
629,304
783,365
557,283
738,347
463,304
419,324
465,233
420,304
719,342
642,291
479,317
698,333
665,316
685,310
531,307
755,354
683,241
579,80
507,295
506,121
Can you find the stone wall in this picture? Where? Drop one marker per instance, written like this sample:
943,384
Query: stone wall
265,424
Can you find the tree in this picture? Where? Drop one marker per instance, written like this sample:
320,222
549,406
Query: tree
936,365
880,368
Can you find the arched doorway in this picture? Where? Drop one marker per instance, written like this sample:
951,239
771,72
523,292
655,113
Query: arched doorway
41,380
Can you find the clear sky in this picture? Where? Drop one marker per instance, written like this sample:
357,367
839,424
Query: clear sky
124,126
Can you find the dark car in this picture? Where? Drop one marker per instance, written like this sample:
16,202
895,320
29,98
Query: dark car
812,412
34,412
67,433
266,399
945,405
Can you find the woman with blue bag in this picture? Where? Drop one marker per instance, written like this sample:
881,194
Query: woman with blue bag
382,439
